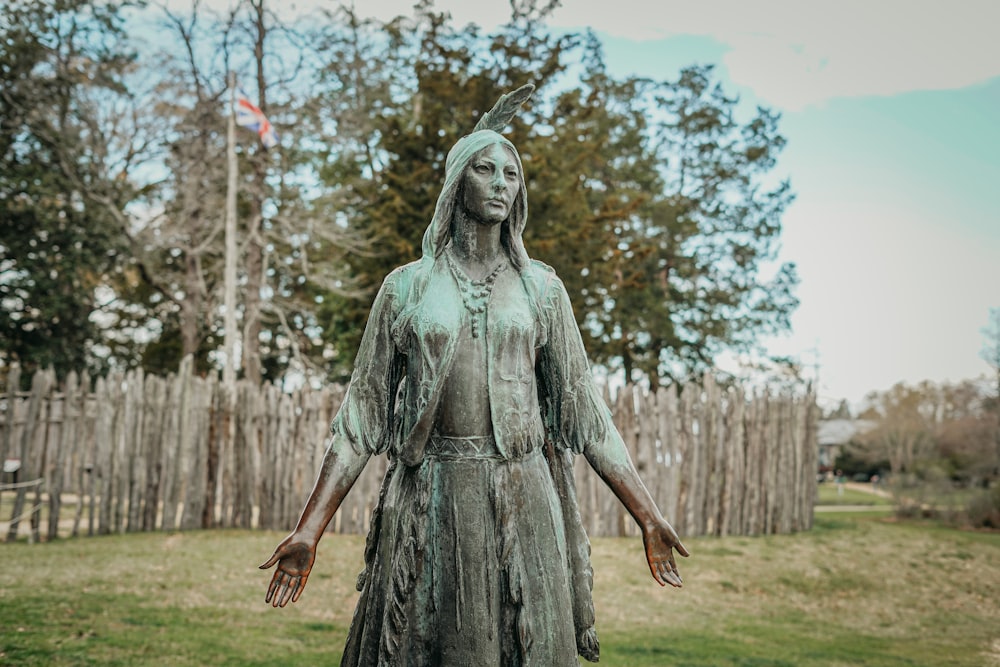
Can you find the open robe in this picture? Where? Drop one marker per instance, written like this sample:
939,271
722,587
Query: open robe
474,560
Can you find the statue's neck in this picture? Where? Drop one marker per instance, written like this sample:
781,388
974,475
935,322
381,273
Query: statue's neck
476,246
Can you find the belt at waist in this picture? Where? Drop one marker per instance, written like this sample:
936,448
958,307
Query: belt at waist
456,448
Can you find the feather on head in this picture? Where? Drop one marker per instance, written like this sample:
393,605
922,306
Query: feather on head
507,106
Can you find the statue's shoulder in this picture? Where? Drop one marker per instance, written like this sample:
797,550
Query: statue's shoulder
543,277
401,278
405,271
540,267
408,283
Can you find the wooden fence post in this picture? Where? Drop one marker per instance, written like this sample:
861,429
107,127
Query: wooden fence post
155,420
648,458
39,390
669,488
41,447
135,407
754,468
117,486
82,450
196,454
713,440
67,440
247,439
171,449
9,422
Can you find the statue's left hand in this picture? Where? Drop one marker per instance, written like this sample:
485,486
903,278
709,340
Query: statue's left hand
295,558
660,541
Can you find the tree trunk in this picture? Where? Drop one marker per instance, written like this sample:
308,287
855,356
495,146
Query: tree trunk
251,298
191,308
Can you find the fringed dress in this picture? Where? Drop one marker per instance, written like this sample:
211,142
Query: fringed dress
476,554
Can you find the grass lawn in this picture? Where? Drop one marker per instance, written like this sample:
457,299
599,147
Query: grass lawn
856,590
827,495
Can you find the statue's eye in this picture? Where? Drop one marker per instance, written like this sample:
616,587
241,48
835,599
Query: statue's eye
481,169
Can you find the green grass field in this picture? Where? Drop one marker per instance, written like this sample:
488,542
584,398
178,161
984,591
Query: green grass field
827,495
857,590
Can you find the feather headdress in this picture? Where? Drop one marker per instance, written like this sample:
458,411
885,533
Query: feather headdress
496,119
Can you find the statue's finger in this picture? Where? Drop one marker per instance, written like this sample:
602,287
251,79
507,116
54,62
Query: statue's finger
291,591
274,585
279,590
673,579
682,550
286,592
661,573
300,588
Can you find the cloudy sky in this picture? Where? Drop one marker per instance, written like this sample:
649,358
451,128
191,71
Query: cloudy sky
891,109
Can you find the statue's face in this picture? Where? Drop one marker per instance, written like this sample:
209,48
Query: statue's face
490,184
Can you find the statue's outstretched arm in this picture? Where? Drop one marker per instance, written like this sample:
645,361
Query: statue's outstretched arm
611,461
359,430
580,421
296,554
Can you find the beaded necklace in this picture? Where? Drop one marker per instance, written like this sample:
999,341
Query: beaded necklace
475,293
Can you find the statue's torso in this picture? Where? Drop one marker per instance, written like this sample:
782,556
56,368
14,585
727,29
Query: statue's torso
486,381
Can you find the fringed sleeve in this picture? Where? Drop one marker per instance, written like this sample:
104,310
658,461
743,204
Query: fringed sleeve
365,417
576,417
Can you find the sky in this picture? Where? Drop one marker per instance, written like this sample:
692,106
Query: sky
891,110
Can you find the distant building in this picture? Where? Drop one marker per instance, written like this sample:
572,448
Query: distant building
834,434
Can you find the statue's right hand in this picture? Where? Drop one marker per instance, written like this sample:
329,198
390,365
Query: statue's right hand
295,558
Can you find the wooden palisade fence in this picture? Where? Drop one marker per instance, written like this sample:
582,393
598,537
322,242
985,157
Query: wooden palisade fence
138,452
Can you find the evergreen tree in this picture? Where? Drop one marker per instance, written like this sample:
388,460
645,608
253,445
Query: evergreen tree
719,223
592,179
670,220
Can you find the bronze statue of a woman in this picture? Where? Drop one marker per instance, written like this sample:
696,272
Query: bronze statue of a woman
476,553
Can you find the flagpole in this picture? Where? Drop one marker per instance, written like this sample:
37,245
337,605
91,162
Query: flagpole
229,276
